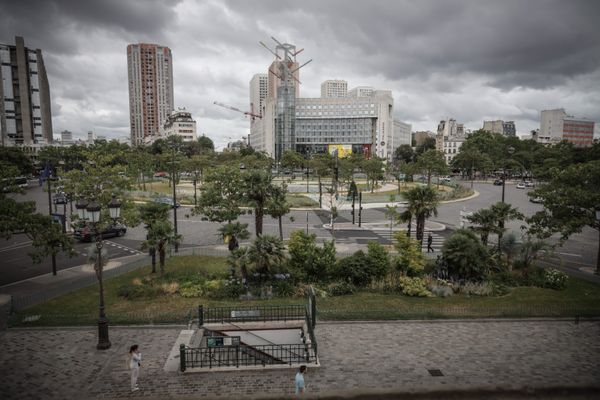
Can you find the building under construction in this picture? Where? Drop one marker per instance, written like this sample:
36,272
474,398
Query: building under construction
356,121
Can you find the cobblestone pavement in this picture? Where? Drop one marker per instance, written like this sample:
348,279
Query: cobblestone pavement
355,357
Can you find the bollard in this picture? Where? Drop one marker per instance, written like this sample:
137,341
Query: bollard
182,357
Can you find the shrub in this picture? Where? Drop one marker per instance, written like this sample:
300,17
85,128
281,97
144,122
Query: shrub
191,289
555,279
466,256
310,262
340,289
283,288
355,269
379,260
410,260
229,289
413,287
441,291
482,289
133,292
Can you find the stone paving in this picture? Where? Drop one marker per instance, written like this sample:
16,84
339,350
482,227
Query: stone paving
355,357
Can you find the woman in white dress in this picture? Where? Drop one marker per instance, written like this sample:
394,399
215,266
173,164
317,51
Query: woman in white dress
135,358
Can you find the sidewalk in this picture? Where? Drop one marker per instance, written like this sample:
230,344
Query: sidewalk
368,358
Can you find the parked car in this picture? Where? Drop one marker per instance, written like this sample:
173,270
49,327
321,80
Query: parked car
536,200
166,200
529,184
521,186
161,174
498,182
60,198
87,233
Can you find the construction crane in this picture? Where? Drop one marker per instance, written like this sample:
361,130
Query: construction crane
251,114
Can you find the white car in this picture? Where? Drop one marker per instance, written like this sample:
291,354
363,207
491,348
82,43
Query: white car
521,186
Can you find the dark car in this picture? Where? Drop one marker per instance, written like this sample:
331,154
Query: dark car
498,182
87,234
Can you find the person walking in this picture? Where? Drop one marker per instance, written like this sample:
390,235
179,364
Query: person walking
300,386
135,358
429,242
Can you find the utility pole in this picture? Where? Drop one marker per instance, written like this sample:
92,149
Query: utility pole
359,208
353,206
173,179
50,213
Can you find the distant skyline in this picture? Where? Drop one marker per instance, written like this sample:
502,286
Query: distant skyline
463,59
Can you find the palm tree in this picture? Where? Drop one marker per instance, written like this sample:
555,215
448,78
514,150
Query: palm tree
406,216
503,213
509,245
266,252
278,206
259,190
485,223
240,259
160,236
234,231
149,214
532,250
422,203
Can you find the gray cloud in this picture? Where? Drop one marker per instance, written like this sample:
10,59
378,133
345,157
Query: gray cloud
466,59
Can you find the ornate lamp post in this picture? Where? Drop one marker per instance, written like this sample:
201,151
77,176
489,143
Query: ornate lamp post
510,151
92,212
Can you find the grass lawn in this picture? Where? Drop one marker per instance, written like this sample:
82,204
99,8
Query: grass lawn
81,307
298,200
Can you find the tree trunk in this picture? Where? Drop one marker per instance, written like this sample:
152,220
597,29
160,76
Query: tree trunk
420,229
162,256
598,258
258,219
153,255
428,178
280,228
143,182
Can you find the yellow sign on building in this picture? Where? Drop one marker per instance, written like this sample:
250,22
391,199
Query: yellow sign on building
343,150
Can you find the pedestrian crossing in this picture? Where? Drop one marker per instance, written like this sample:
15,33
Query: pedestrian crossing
436,244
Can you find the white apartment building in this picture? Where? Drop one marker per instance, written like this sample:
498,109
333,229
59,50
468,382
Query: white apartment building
556,125
334,88
402,135
361,91
506,128
450,136
181,123
66,138
258,93
150,73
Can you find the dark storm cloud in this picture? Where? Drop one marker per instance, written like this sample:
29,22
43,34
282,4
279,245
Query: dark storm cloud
467,59
54,24
517,43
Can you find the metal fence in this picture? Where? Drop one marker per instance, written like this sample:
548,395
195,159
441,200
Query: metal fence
251,314
243,355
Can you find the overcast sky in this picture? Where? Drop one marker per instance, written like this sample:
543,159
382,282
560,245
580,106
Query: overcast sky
470,60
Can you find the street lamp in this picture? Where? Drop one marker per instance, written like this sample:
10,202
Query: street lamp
91,211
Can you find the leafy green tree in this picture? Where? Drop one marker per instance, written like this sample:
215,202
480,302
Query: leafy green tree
432,162
221,197
266,252
466,256
321,164
16,157
422,204
404,153
373,168
427,144
360,269
311,262
571,200
410,260
291,160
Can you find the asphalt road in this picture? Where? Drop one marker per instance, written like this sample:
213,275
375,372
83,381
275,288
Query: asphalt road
579,251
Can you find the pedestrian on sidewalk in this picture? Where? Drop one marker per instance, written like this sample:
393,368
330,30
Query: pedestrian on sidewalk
135,358
429,242
300,386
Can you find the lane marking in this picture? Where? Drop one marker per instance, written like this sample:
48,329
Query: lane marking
570,254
